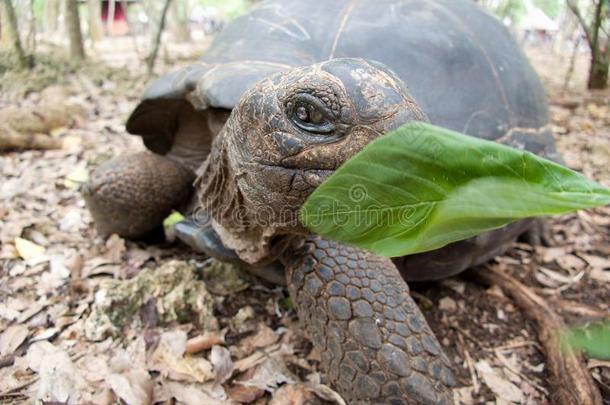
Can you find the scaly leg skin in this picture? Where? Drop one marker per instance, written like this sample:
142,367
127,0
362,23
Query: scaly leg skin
375,344
132,194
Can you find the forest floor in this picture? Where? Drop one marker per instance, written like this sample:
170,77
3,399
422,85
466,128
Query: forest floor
84,319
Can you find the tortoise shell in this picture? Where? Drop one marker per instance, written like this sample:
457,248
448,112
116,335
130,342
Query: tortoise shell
460,64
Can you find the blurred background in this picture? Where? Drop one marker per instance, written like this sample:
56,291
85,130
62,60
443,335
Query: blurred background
125,33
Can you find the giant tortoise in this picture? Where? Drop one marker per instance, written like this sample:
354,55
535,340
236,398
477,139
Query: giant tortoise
285,95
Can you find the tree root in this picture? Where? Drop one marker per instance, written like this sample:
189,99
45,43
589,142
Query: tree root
582,311
572,383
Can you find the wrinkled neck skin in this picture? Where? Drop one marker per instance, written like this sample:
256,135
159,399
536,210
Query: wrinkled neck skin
245,226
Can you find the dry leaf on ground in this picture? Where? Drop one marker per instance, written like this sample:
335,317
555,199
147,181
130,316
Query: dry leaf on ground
12,338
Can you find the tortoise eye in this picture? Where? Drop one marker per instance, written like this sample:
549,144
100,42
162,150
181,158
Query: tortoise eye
310,114
303,114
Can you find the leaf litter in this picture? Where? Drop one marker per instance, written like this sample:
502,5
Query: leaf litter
84,319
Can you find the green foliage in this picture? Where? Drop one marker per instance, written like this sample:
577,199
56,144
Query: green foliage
172,219
512,9
230,8
515,9
594,339
552,8
39,11
422,187
286,303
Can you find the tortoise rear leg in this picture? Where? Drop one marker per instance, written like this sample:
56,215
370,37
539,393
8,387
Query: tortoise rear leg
374,342
131,195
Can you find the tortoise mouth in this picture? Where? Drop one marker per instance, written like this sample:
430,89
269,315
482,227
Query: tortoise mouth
310,176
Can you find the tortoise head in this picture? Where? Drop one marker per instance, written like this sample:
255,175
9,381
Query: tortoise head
288,133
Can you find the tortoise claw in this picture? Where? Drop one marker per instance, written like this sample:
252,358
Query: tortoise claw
204,239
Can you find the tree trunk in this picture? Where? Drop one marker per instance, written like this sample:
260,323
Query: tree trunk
110,17
77,51
6,35
600,66
51,16
598,74
30,39
600,47
156,38
9,20
178,21
96,30
570,72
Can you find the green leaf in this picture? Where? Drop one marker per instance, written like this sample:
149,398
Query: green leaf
422,187
172,219
593,339
287,303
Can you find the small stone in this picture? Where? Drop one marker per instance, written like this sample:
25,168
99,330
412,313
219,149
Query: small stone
447,304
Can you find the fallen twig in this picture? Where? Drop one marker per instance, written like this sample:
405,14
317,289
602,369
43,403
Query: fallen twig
572,383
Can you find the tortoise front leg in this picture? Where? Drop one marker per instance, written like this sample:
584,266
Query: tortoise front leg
130,195
374,342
